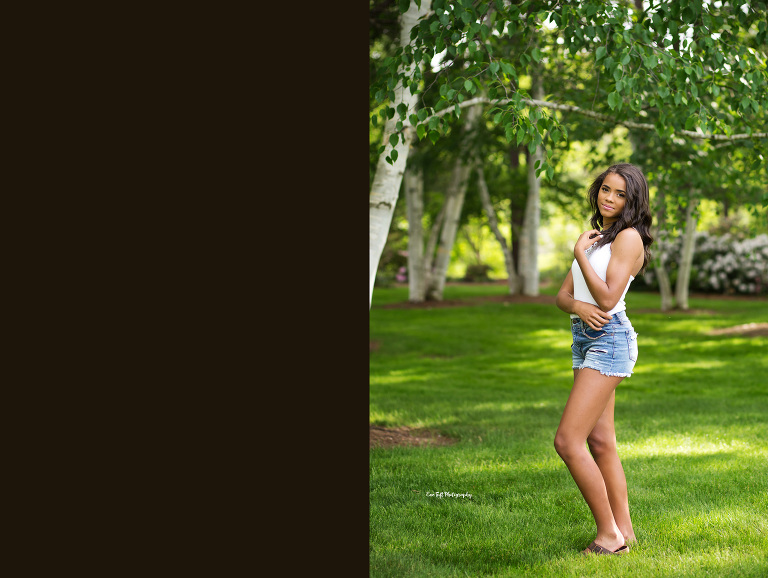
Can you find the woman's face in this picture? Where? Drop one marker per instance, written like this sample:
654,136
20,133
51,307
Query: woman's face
611,198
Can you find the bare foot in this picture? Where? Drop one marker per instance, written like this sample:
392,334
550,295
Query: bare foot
610,542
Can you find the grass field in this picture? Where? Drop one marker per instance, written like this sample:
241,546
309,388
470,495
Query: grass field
692,428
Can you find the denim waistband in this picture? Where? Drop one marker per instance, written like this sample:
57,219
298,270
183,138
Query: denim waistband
620,316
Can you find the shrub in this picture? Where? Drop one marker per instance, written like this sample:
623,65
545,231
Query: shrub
477,273
721,264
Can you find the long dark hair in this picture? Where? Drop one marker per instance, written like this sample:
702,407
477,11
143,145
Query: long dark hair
636,212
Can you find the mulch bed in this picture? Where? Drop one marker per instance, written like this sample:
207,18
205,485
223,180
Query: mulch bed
382,437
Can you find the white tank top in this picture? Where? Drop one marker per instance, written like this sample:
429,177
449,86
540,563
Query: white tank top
598,258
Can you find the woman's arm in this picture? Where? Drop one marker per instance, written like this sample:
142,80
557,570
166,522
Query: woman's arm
591,315
627,248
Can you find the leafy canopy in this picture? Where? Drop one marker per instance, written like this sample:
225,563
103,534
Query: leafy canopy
696,71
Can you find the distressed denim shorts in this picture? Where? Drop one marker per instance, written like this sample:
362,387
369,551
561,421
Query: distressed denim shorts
611,350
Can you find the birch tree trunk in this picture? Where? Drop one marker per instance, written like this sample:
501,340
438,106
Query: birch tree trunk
660,263
386,182
529,242
454,202
429,253
509,261
686,254
665,287
414,196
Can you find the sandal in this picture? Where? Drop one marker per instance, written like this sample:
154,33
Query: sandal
595,548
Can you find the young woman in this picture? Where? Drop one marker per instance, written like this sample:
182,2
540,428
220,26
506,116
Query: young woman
607,259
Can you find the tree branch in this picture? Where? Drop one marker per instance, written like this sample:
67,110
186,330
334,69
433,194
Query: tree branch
600,117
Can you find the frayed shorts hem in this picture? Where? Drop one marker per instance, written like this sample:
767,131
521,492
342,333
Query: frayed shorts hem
606,373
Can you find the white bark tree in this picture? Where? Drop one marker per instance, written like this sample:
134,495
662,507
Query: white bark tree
529,242
665,286
454,203
686,254
659,259
386,183
414,198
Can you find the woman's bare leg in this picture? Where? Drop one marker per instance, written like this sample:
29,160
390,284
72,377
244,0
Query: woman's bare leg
586,404
602,445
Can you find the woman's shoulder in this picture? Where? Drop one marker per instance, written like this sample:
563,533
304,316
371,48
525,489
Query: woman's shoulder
629,234
629,238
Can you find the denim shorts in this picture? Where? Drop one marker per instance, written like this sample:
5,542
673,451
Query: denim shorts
611,350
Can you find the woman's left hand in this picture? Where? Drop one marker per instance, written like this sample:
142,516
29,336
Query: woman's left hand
586,240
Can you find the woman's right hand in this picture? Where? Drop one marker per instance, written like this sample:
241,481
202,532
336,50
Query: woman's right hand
591,315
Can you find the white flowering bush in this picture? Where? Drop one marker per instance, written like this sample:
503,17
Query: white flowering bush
721,264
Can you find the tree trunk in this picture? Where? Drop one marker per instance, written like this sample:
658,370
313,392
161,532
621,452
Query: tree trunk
529,249
509,262
414,195
665,287
429,253
686,254
659,262
454,202
386,182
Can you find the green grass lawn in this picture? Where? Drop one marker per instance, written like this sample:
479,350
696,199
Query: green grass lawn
692,428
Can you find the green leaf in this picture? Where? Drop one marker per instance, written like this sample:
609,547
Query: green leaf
421,130
650,62
613,99
403,5
422,114
744,104
468,85
494,67
497,118
690,124
393,139
536,54
555,134
433,136
601,52
394,155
